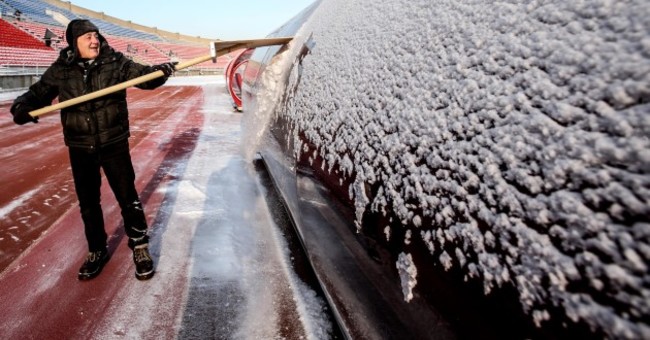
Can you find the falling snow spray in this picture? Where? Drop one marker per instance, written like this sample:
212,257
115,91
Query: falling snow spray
271,87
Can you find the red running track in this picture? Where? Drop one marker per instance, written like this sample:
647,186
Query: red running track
41,234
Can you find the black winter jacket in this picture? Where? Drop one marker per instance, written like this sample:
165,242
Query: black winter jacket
98,122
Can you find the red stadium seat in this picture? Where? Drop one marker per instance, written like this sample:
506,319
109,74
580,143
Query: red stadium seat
11,36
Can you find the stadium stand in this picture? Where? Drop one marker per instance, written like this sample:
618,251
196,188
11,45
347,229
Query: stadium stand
138,50
108,28
36,11
32,32
12,36
179,51
40,31
5,9
26,57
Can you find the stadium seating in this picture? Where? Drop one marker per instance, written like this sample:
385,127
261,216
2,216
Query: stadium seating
12,36
23,43
138,50
108,28
5,9
184,52
26,57
38,31
36,11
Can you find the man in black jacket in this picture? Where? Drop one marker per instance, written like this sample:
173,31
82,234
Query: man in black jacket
96,133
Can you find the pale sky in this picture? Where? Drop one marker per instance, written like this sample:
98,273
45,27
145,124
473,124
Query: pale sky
227,20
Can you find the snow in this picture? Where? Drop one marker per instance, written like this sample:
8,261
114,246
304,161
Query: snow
530,118
248,250
220,220
18,201
408,274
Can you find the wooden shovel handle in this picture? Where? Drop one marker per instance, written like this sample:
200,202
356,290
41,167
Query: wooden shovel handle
121,86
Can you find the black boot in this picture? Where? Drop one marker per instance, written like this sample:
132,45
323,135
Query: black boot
143,262
93,264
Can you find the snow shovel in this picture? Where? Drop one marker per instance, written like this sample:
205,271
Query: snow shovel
217,48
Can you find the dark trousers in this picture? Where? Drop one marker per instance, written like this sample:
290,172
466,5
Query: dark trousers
115,161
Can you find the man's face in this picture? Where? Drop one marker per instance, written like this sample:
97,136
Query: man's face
88,45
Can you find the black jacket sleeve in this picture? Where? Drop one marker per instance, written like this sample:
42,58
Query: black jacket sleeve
132,70
41,93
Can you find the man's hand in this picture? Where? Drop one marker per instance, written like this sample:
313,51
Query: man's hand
167,68
21,114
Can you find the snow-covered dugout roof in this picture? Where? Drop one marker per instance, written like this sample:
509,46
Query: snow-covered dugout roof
512,138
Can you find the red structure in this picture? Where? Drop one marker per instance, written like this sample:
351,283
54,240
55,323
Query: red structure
234,76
